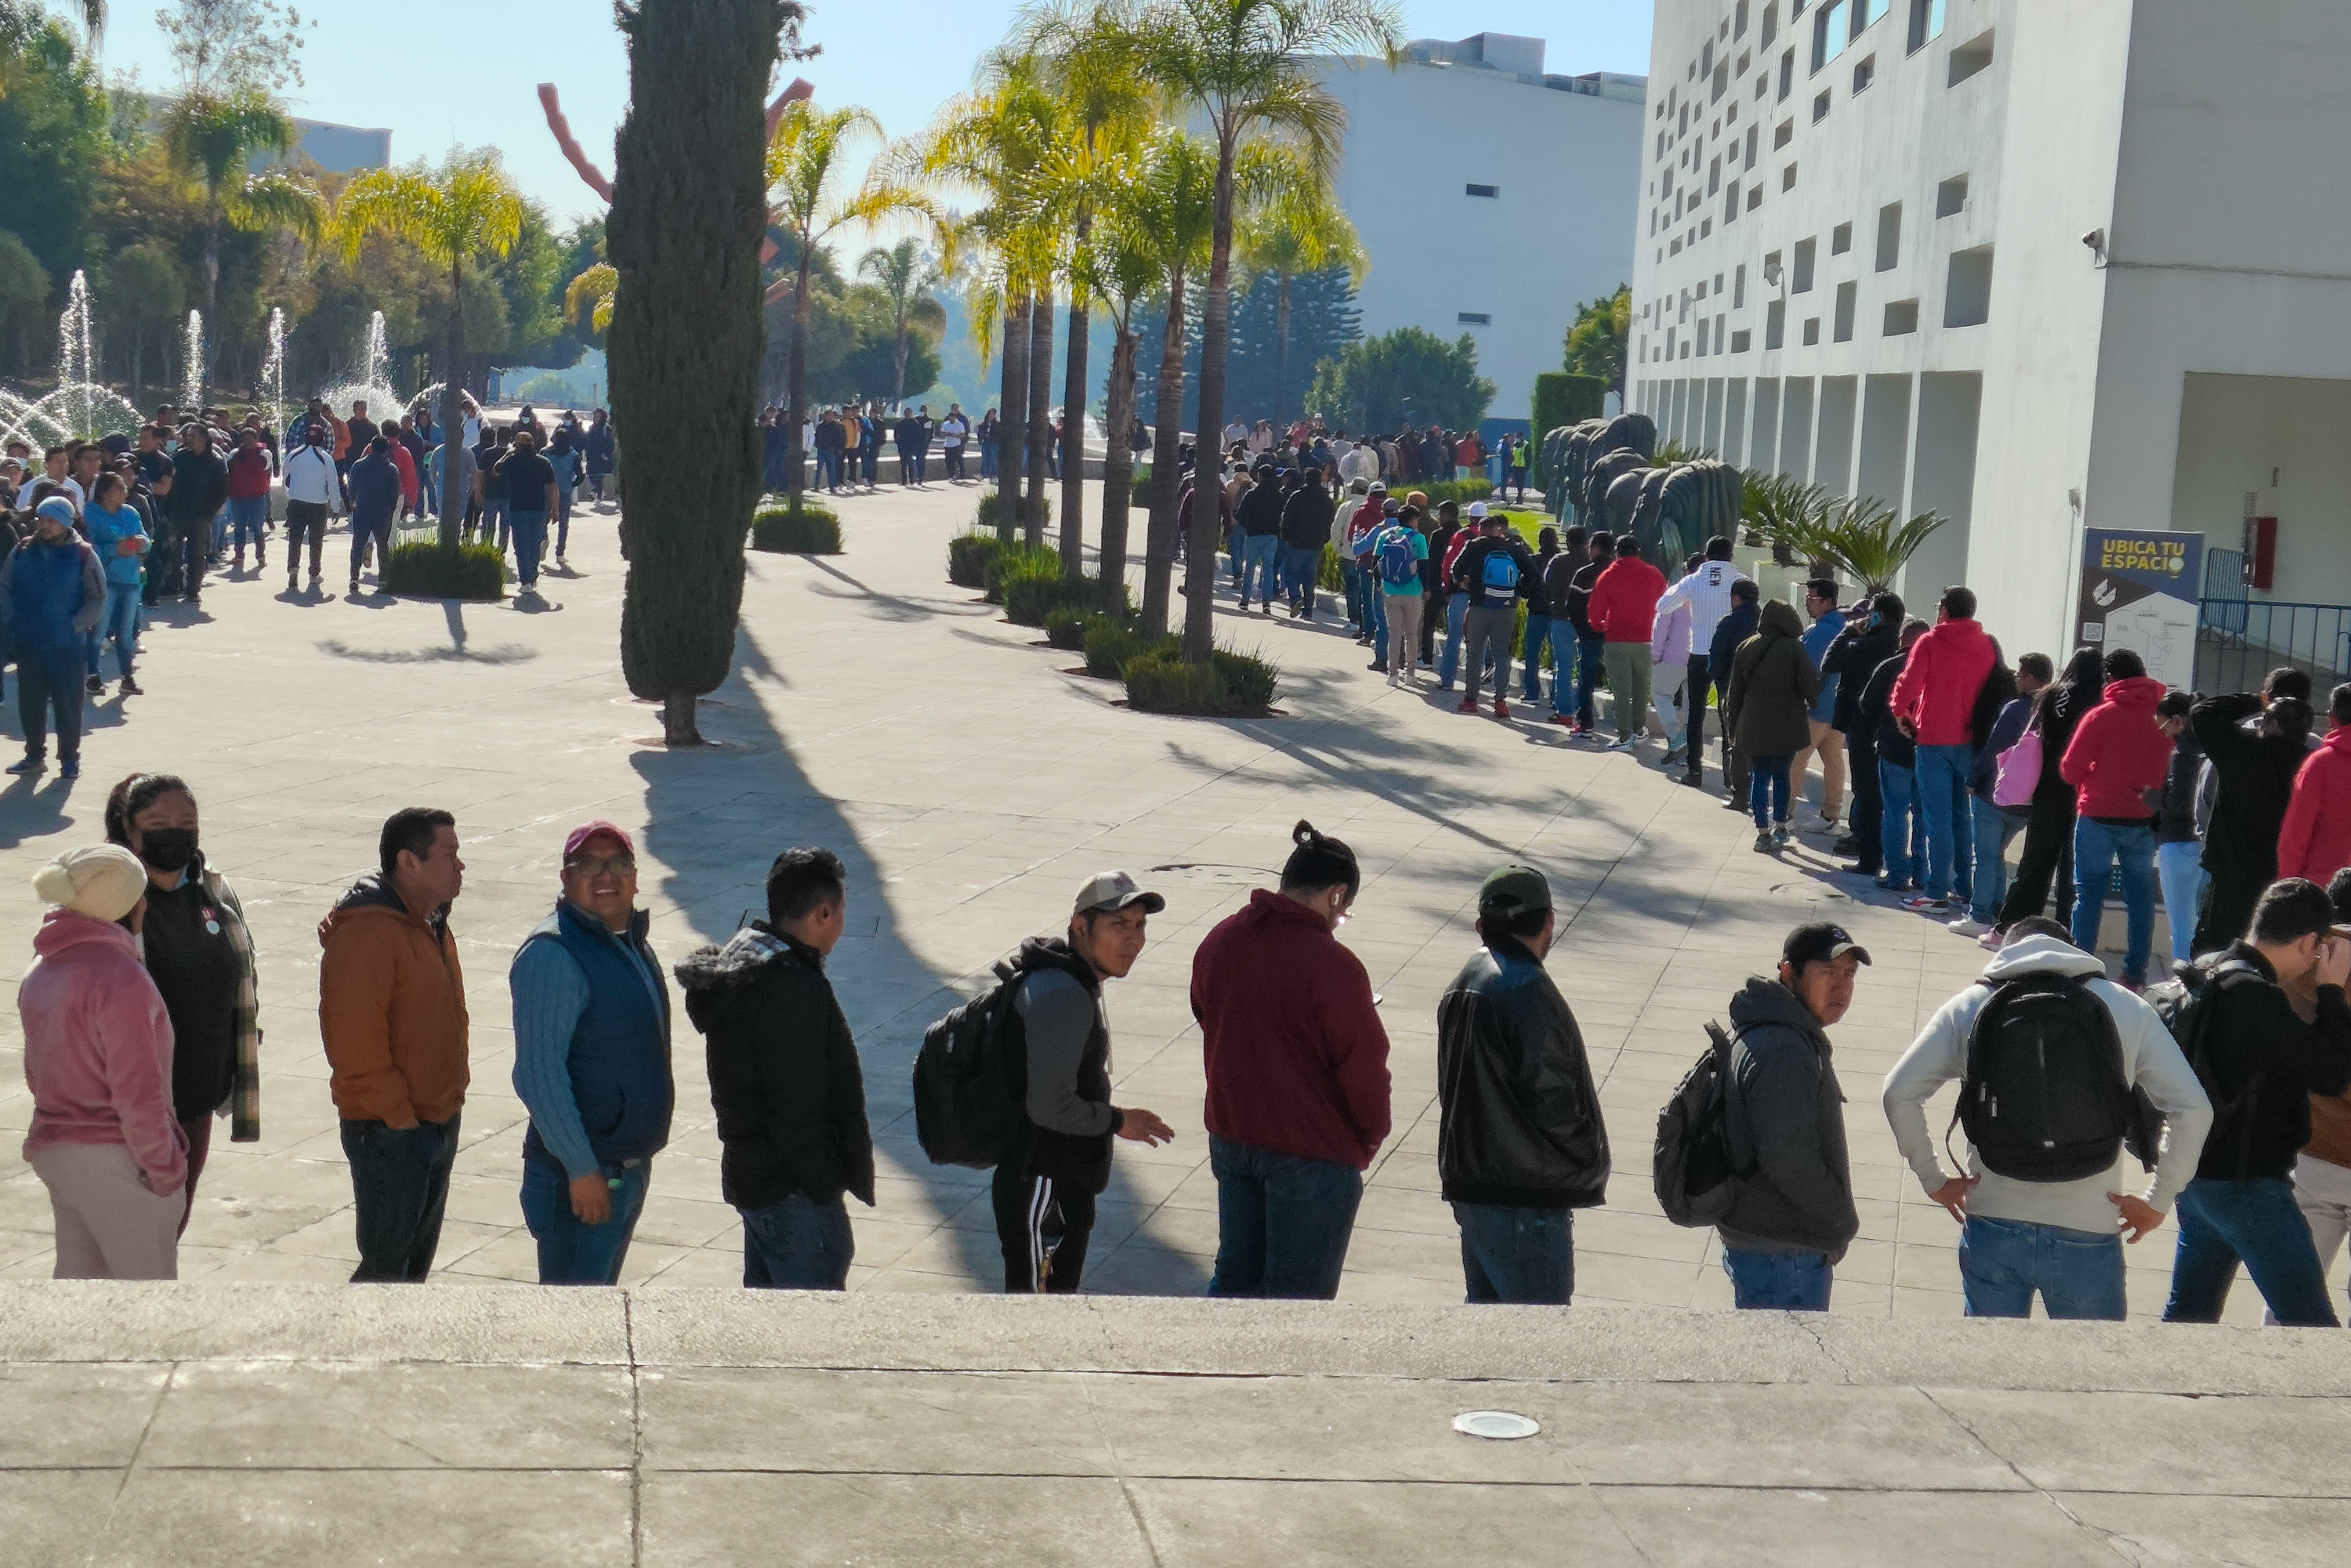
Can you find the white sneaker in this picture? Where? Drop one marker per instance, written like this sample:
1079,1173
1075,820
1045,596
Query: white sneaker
1394,679
1967,925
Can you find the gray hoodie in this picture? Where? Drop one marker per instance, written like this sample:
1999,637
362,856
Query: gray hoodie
2151,1061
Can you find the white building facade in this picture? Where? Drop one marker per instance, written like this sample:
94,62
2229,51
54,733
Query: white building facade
2036,265
1489,195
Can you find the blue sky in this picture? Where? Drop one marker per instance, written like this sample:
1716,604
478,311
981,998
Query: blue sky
377,66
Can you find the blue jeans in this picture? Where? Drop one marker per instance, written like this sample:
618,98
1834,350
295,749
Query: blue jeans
47,679
1523,1256
1588,674
2097,845
1351,580
1448,658
380,532
571,1250
1566,665
249,514
1283,1221
2180,869
531,543
1301,574
2257,1222
494,521
1942,772
1261,562
1376,612
400,1188
121,623
799,1244
2003,1261
1778,1281
1995,831
1767,791
1901,826
987,459
1538,636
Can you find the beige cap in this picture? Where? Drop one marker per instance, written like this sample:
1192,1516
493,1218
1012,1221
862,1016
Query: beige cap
1111,890
105,881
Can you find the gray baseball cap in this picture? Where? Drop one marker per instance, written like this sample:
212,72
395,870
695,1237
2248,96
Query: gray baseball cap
1110,890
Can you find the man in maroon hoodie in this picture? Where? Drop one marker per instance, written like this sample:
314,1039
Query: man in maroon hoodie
1934,703
2117,755
1298,1077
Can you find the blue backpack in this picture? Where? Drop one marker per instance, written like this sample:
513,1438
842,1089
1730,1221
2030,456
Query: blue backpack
1399,564
1501,571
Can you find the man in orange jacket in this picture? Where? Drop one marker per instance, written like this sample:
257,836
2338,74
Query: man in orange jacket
392,1013
1934,703
2314,840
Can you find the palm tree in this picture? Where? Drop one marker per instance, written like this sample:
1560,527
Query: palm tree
464,211
1243,64
1596,339
906,274
804,165
593,292
1294,228
214,139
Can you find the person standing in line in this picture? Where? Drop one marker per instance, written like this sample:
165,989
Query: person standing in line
52,595
1669,648
2314,838
1934,703
1557,589
392,1014
361,432
1297,1068
2256,747
2260,1064
591,1021
2115,761
2322,1172
785,1078
2178,831
1257,521
375,502
1704,593
1996,826
1772,688
1600,549
1902,839
98,1062
1624,610
528,485
771,452
1520,447
563,457
2048,858
1494,573
1730,634
403,463
1306,517
248,498
1456,603
1520,1142
1400,554
1537,634
1793,1216
119,536
954,431
601,453
198,950
490,483
2026,1230
199,491
1872,633
1821,604
313,490
1436,611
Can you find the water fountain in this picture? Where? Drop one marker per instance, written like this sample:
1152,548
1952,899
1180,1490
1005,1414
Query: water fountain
79,409
192,365
373,384
273,369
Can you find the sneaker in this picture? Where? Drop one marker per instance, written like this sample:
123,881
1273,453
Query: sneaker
1445,685
1693,782
1991,939
1967,925
95,686
1763,845
315,584
1846,845
1501,708
354,590
1888,885
131,688
1673,755
1565,721
1926,904
1394,679
1467,705
1377,666
1736,804
1779,836
292,585
1825,825
2132,983
30,764
70,767
1624,743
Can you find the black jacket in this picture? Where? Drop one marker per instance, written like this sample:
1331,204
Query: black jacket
1258,512
1875,713
1852,655
2256,775
2262,1064
1559,584
1470,572
1306,517
1522,1125
784,1074
1578,603
1737,625
1768,706
2175,822
1785,1112
1068,1091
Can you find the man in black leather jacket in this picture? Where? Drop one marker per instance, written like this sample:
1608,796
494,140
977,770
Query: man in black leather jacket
1521,1144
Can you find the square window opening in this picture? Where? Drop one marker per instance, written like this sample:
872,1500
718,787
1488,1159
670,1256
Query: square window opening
1865,73
1740,340
1970,58
1848,297
1820,107
1788,178
1951,196
1802,281
1784,133
1840,239
1811,330
1889,237
1901,318
1776,324
1967,289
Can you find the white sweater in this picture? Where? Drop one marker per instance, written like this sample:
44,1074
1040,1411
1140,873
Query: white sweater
2151,1061
1706,592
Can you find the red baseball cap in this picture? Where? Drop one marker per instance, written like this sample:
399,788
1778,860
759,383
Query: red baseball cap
598,829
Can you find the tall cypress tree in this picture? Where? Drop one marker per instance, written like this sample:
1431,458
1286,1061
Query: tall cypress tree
688,211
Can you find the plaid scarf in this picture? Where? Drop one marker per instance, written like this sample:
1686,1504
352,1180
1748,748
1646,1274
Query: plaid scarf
245,1099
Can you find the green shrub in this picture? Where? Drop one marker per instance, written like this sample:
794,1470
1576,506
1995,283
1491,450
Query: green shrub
1011,564
1028,599
1327,576
1140,488
1065,626
967,558
813,530
994,518
1229,685
425,571
1110,644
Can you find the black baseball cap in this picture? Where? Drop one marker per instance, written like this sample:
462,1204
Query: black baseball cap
1513,890
1819,942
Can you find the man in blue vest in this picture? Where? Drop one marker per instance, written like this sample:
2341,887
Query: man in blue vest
592,1062
52,592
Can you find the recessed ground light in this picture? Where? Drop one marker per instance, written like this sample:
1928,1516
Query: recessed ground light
1501,1426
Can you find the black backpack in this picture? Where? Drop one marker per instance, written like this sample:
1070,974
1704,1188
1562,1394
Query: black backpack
971,1081
1697,1179
2180,1002
2044,1098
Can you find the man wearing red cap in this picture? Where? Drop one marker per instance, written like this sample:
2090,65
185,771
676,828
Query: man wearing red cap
592,1062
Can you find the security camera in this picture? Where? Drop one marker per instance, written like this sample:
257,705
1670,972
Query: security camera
2097,240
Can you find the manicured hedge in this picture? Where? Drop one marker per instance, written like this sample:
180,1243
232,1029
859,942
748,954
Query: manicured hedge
994,518
967,558
1110,645
813,530
427,570
1012,563
1229,685
1027,601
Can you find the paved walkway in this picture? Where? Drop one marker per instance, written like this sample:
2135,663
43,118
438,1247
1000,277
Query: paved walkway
970,783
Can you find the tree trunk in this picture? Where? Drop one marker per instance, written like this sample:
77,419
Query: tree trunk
1167,437
679,725
796,388
212,259
898,368
1040,415
453,407
1281,347
1118,467
1073,446
138,368
1012,424
1200,566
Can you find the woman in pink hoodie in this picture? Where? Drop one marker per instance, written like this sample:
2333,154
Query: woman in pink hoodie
98,1058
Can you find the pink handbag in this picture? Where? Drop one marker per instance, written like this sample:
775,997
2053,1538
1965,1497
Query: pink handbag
2019,772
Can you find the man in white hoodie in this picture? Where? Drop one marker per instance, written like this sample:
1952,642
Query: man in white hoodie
2060,1237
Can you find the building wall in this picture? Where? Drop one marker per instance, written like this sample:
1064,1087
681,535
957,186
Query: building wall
340,149
1565,166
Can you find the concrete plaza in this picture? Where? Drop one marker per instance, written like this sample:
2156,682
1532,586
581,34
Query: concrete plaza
970,782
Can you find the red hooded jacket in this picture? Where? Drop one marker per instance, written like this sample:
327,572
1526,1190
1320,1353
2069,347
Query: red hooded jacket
1297,1060
1937,689
1624,607
2116,752
2315,839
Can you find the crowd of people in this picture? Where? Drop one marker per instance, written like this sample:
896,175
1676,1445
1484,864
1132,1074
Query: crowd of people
846,442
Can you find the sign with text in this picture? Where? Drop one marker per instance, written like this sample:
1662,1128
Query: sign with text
2139,588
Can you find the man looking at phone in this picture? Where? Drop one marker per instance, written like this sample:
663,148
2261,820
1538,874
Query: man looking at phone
2261,1064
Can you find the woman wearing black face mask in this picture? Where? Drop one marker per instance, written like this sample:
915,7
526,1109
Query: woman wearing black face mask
199,952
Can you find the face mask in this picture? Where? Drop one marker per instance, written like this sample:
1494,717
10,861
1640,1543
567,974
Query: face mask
168,848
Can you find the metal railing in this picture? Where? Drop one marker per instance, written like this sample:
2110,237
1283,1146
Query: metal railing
2239,641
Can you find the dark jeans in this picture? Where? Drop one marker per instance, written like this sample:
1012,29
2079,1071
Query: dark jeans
2048,858
1868,818
162,559
571,1250
1283,1221
1698,693
304,520
2258,1223
1902,833
1588,651
1778,1281
797,1244
400,1186
1767,792
196,553
1044,1225
1531,646
2228,908
379,533
51,679
1525,1256
199,1132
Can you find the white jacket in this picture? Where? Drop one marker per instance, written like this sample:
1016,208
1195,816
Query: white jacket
1706,592
2151,1061
310,476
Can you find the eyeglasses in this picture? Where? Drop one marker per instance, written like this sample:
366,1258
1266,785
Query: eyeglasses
602,865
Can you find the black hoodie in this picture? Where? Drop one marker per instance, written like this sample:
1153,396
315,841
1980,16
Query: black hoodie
1786,1116
1861,647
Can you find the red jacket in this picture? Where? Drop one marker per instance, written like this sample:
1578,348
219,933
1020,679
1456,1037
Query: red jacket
2315,839
1624,607
1937,689
1297,1061
2116,752
249,474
